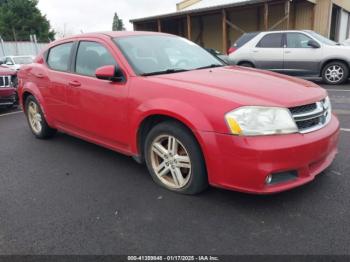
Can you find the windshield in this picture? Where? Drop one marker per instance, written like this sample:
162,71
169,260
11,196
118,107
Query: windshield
23,60
164,54
322,39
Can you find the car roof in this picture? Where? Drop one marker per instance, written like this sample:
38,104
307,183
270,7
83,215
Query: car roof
113,34
286,31
14,56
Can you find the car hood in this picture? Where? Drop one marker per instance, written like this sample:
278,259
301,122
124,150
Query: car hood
248,86
6,71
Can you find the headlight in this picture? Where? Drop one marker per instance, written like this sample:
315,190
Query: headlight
327,104
257,120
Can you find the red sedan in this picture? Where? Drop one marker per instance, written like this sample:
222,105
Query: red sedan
169,103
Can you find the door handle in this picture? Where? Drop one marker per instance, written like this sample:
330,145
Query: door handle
287,52
74,83
39,75
255,51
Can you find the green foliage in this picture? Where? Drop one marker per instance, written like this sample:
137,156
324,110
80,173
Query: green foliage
118,24
21,18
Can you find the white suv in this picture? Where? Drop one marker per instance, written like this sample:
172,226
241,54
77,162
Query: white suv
15,62
298,53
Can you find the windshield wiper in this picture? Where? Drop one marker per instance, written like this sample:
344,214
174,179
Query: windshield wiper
164,72
209,66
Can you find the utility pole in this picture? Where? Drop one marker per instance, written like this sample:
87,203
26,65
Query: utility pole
2,46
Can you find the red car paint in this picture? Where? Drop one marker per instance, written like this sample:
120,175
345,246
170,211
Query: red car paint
8,92
110,114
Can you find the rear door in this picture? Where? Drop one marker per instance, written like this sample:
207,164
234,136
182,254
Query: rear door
53,81
299,58
268,53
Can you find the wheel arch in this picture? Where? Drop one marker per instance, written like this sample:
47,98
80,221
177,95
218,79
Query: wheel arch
193,120
246,61
30,89
25,95
331,60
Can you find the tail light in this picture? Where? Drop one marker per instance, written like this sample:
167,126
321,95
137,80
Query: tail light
231,50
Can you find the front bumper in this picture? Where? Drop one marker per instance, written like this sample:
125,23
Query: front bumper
7,96
243,163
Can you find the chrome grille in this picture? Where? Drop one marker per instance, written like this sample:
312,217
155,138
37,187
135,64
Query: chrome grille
311,117
303,109
5,81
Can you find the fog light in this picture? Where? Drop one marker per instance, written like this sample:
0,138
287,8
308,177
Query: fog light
268,179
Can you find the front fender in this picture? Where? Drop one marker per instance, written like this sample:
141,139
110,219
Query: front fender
181,111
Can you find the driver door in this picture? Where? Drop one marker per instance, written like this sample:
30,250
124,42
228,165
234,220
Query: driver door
98,108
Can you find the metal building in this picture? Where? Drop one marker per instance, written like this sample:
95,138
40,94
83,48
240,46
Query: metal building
218,23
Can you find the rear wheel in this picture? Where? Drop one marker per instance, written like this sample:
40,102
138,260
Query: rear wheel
174,159
335,73
36,119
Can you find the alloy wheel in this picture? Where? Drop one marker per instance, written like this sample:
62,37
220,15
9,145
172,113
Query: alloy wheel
171,162
334,73
34,117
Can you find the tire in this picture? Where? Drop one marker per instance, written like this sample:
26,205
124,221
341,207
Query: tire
182,168
335,73
246,64
36,119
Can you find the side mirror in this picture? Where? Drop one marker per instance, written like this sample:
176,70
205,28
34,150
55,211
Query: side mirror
111,73
9,63
313,44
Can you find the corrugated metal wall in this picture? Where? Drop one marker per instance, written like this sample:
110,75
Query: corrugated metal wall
20,48
303,15
322,16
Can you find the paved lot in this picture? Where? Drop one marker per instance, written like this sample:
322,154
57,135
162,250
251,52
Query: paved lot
66,196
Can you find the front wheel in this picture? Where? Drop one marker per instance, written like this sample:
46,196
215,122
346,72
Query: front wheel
335,73
174,159
36,119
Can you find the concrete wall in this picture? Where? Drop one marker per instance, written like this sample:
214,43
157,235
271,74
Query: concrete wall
20,48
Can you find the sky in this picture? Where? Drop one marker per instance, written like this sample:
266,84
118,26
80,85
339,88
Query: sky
69,17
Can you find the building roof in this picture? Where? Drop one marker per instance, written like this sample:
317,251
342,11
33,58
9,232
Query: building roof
212,3
203,6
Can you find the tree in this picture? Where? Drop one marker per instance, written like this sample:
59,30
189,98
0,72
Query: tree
21,18
118,24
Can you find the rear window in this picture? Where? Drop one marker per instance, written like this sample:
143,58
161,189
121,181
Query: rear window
244,39
59,57
271,41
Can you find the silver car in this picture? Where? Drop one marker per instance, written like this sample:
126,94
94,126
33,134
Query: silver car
298,53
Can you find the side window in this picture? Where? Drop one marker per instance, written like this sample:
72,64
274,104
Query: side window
271,41
297,40
59,57
90,56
